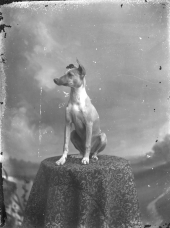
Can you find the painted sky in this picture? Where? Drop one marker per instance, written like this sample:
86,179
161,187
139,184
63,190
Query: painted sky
122,49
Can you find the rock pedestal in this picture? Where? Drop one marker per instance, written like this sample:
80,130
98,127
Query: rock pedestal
99,195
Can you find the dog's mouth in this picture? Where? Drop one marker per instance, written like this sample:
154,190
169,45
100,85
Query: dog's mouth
61,83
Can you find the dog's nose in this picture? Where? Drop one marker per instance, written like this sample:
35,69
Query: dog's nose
55,80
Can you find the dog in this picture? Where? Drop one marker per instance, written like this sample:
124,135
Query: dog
87,137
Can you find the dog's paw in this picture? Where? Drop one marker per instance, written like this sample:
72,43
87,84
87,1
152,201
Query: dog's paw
61,161
85,160
94,157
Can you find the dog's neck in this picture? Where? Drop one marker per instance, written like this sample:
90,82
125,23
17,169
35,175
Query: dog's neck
78,95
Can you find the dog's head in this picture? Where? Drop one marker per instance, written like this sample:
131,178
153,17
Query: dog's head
74,76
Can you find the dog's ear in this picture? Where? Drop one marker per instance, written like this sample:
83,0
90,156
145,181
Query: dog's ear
81,69
70,66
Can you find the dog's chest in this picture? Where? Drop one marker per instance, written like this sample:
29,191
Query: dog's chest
77,115
76,108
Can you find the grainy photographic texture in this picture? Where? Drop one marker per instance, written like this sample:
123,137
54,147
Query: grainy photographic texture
124,47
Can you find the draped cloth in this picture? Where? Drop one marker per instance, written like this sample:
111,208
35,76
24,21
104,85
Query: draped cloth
99,195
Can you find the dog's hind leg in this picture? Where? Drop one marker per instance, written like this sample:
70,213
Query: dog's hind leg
98,145
78,144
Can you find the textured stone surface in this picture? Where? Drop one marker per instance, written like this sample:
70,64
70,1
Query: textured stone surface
99,195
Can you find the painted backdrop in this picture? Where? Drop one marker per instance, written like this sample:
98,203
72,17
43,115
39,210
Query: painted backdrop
124,49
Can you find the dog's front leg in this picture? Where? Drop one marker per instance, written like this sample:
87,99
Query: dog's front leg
67,131
89,126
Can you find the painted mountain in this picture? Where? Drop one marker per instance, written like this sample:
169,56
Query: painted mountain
153,186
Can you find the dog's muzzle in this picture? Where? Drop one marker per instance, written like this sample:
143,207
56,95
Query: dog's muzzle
61,81
56,81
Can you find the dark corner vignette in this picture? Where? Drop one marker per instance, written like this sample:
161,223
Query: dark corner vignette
3,26
3,215
3,2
